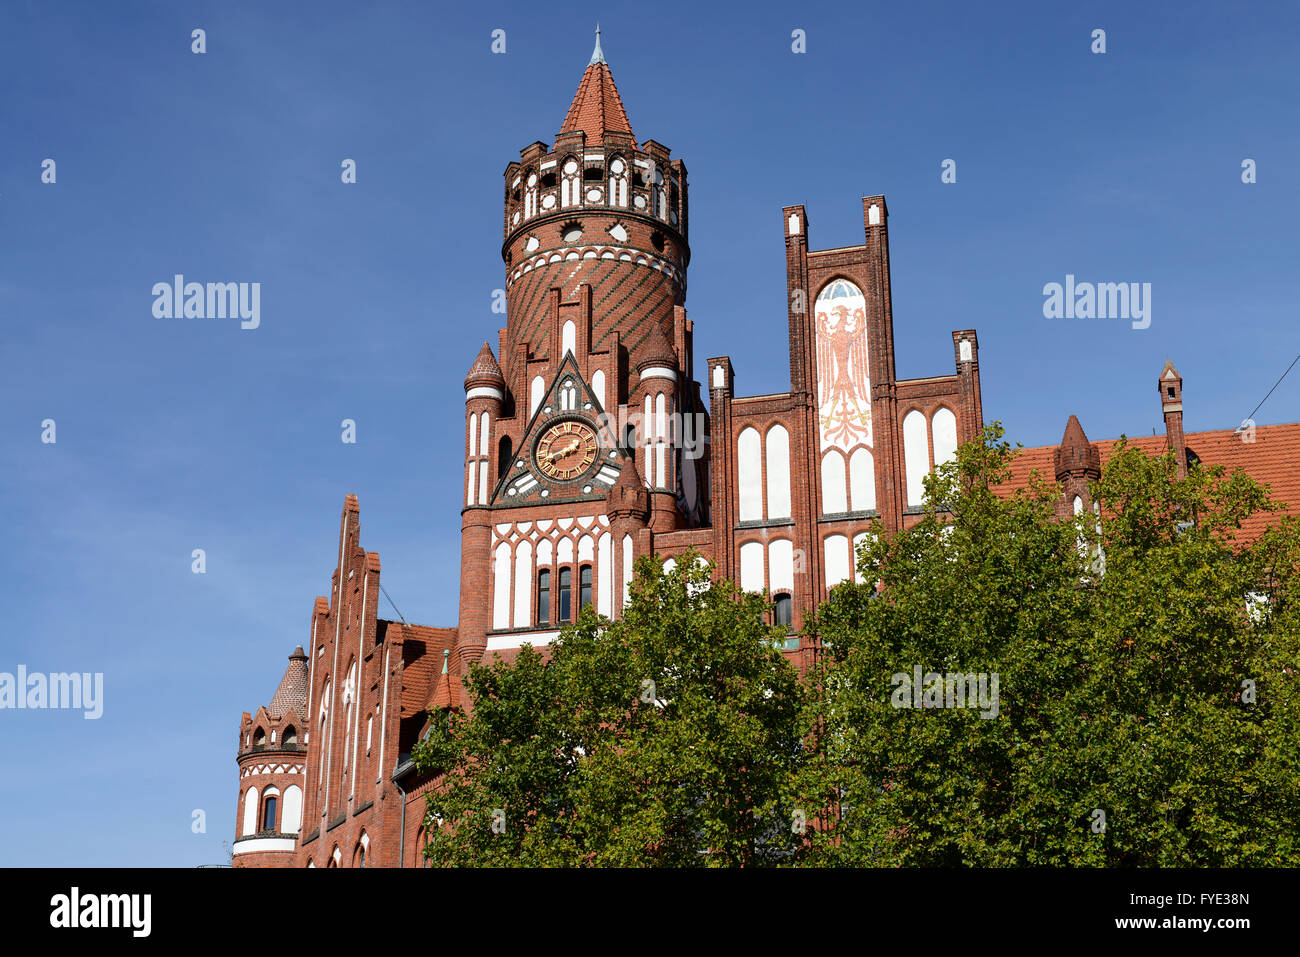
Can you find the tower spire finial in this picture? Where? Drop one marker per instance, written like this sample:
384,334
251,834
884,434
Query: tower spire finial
597,55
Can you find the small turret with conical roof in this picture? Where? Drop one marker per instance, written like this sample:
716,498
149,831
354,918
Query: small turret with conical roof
272,756
1077,463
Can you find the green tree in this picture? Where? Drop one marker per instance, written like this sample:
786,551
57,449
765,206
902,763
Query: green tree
1120,640
667,738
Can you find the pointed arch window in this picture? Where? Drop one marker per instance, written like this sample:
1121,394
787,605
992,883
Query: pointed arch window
783,612
544,596
566,594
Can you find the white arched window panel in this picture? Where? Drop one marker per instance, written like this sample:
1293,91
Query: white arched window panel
751,566
569,338
544,550
858,541
648,428
778,472
598,386
661,433
780,565
916,456
794,225
471,472
501,587
291,816
564,551
523,582
719,377
473,434
627,567
943,430
1078,505
536,392
695,589
605,573
250,811
834,495
483,424
839,566
749,475
585,548
862,480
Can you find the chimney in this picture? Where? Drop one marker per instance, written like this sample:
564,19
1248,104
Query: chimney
1171,403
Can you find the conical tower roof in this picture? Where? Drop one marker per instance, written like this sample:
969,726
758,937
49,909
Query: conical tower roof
597,108
292,693
656,350
1075,453
485,370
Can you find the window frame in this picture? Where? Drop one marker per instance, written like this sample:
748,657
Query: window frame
543,616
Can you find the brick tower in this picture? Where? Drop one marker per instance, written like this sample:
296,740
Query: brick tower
272,757
595,375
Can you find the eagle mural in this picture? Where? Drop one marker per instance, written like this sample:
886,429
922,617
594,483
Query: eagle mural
843,380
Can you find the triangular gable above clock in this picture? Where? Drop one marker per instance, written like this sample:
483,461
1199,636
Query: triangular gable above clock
568,398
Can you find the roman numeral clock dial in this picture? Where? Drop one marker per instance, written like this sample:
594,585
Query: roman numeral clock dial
565,451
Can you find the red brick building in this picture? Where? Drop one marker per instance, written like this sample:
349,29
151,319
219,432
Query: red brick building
588,443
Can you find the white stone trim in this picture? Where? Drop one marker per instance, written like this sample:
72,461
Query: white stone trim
518,639
482,391
658,372
264,844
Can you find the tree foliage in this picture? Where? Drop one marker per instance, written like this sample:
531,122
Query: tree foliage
1147,708
666,738
1125,642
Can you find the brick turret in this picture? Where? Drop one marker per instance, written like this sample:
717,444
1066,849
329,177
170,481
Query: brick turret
1077,463
272,756
485,456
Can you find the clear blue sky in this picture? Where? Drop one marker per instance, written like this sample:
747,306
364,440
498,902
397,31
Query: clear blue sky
176,435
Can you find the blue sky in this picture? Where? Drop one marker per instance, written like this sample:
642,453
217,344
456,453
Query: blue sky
176,435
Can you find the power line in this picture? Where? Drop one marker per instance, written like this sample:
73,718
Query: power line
390,601
1275,385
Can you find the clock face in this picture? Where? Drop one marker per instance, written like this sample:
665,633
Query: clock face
566,450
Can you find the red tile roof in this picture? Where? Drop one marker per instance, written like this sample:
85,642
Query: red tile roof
597,108
1273,459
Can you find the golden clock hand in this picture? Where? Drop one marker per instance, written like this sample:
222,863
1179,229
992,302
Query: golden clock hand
561,453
